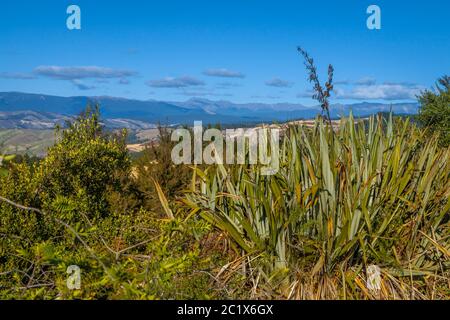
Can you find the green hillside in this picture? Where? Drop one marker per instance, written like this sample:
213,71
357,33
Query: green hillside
23,141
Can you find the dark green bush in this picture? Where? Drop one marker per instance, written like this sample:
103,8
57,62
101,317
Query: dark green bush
91,213
434,110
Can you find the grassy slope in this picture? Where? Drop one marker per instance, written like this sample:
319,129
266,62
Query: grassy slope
21,141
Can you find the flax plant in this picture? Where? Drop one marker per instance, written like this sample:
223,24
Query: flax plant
376,193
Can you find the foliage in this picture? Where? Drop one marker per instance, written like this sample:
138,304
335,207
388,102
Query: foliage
370,196
155,164
434,112
81,206
83,167
345,197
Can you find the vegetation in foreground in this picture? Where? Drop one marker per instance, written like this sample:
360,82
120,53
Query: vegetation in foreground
373,193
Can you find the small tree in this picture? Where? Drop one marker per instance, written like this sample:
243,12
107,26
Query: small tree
84,166
434,112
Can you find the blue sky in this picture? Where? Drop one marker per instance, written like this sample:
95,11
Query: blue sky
243,51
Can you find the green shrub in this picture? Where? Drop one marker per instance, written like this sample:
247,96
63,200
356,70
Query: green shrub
434,112
84,167
85,209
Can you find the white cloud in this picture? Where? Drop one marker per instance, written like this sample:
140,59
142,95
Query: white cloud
82,72
279,83
223,73
82,86
227,85
386,91
366,81
181,82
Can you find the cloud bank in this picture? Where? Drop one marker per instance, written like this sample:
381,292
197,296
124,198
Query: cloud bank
279,83
82,86
223,73
83,72
385,91
180,82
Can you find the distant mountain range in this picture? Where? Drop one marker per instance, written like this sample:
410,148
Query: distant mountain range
38,111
